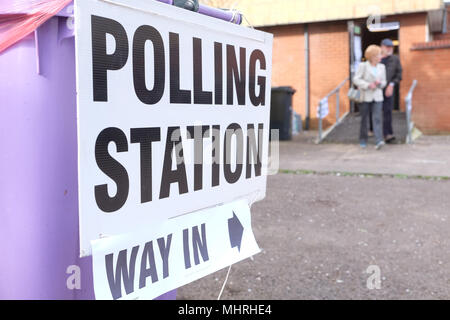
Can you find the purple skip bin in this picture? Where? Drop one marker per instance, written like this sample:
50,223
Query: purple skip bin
38,168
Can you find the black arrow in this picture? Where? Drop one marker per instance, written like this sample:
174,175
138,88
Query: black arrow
235,229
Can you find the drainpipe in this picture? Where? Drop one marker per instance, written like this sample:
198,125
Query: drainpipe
307,80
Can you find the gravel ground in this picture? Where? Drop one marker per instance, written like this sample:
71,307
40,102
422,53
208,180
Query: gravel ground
320,233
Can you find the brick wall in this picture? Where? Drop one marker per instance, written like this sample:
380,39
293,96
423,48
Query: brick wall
329,64
431,100
431,68
288,67
330,60
412,29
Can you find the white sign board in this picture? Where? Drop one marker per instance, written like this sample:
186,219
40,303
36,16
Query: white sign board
173,114
147,264
323,109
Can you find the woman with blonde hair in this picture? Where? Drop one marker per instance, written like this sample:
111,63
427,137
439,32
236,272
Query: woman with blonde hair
370,78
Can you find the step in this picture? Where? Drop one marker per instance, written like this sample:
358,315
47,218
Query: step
348,130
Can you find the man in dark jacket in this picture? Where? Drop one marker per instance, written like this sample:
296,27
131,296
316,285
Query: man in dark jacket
393,76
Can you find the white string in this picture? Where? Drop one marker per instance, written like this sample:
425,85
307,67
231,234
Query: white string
233,8
248,22
224,283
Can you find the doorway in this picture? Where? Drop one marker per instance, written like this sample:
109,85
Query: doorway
363,36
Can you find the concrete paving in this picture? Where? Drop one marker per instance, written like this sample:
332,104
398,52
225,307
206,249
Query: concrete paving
321,233
427,156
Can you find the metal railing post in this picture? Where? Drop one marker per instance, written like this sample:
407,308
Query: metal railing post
408,123
338,113
408,101
320,121
337,105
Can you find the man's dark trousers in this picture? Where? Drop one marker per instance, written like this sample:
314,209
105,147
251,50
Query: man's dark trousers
388,105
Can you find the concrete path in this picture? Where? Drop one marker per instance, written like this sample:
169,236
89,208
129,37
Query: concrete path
428,156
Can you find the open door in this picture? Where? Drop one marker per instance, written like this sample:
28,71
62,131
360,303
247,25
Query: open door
374,34
361,36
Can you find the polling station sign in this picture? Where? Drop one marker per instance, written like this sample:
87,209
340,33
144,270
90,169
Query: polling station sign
173,114
149,263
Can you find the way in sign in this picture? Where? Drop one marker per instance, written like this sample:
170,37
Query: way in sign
125,269
183,250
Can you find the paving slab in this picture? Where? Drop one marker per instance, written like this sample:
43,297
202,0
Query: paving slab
427,156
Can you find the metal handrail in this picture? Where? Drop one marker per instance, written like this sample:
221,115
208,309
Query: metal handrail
335,91
408,101
337,88
411,91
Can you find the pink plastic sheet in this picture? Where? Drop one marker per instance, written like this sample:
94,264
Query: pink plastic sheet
18,18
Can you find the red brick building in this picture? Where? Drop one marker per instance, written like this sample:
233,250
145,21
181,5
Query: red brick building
326,34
